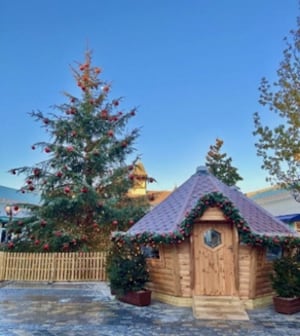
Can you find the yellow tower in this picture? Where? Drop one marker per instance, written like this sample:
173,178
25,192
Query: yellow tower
140,180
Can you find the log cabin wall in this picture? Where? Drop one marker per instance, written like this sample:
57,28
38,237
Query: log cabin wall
171,272
163,271
263,270
246,269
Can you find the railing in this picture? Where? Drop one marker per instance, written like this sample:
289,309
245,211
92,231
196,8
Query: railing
73,266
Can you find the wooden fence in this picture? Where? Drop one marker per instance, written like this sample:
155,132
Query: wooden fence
77,266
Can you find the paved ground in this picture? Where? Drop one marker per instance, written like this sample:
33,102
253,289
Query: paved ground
88,309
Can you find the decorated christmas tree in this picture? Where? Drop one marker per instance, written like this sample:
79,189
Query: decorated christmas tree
84,180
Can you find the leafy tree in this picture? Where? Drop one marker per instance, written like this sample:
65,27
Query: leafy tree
220,165
279,145
84,181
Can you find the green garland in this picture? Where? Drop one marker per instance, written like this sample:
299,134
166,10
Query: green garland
231,213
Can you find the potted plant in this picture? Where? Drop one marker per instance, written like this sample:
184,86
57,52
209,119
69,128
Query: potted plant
127,273
285,281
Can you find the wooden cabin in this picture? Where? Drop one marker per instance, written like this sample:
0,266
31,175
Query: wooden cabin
211,248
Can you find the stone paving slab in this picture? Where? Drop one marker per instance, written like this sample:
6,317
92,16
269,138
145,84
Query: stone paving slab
88,309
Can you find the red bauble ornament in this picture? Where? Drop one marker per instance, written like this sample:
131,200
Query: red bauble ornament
47,150
36,171
11,245
16,208
110,133
70,149
84,190
58,233
43,223
67,189
115,222
97,70
104,114
59,174
46,247
37,242
66,246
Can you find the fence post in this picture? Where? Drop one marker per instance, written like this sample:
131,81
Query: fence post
2,265
53,267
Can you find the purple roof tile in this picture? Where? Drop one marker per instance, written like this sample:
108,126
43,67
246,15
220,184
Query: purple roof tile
168,215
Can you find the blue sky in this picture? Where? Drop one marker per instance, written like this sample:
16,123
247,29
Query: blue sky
192,67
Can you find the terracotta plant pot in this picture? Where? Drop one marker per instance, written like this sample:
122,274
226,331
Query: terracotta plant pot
140,298
286,305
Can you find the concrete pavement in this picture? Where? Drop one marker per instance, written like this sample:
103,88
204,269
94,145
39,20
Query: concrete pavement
88,309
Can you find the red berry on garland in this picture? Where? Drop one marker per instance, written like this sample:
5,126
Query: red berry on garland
11,245
59,174
132,113
16,208
131,222
37,242
115,103
46,121
47,150
124,144
82,67
73,100
31,188
73,133
110,133
70,148
131,177
115,222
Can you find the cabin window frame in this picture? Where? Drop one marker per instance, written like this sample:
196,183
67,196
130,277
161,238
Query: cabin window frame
273,253
156,261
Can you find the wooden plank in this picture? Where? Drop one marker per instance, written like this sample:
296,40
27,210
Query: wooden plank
213,214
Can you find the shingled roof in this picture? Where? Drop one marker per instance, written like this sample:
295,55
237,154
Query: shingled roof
168,216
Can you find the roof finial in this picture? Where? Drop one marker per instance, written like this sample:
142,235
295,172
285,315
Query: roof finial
202,170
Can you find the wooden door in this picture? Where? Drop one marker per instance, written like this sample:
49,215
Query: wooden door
214,267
